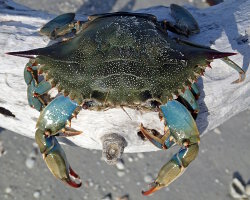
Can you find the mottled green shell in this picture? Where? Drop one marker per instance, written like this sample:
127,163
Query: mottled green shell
122,60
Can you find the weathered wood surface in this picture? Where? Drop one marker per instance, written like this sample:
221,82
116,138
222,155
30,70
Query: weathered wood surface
225,26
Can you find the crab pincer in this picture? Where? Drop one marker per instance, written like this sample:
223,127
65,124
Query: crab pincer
182,131
51,123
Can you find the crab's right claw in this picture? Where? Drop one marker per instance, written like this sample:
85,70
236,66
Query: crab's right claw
57,163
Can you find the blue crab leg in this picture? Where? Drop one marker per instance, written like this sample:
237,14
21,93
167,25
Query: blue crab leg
33,101
185,23
56,160
173,168
42,88
184,132
232,64
160,141
195,90
35,88
29,73
188,99
52,122
166,141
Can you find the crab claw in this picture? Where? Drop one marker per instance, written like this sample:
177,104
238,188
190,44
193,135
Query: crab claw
57,163
174,168
168,173
154,187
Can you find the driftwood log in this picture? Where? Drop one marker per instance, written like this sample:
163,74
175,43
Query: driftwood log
225,27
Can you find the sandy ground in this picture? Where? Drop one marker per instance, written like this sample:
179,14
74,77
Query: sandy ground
223,152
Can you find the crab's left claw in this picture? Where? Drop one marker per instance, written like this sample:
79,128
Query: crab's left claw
57,163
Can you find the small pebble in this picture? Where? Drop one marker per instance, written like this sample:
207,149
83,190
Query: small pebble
217,131
85,197
120,165
140,155
97,186
36,194
248,190
8,190
114,188
120,173
30,162
148,178
130,159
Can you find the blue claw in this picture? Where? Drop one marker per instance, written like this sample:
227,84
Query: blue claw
180,122
52,121
184,132
55,115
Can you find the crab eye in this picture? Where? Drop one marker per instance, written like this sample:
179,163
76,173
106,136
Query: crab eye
90,104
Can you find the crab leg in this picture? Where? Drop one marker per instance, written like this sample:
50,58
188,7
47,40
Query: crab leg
232,64
185,23
57,163
182,131
52,122
195,90
160,141
174,168
188,99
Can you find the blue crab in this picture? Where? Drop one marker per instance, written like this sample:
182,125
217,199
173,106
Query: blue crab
113,60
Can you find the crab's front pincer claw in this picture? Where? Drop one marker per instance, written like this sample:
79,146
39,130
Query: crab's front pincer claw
174,168
167,174
184,132
57,163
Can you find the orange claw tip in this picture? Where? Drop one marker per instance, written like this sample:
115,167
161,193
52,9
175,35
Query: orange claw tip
151,190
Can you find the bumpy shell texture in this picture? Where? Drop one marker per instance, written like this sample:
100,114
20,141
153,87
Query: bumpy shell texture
122,59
